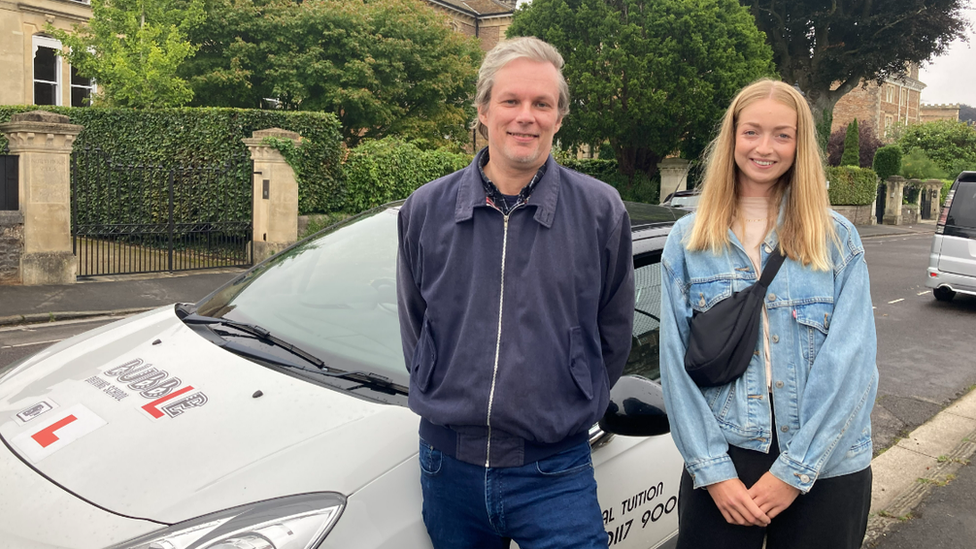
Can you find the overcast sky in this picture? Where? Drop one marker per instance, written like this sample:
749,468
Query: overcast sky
950,78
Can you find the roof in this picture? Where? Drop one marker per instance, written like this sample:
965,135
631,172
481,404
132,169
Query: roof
478,7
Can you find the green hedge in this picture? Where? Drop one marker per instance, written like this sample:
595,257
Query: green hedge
639,189
209,136
380,171
851,186
946,185
887,161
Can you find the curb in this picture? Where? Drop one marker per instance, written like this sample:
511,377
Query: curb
35,318
905,473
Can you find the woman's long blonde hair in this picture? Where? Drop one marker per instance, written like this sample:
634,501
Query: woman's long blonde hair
806,225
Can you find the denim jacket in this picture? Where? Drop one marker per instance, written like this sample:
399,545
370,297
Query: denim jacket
823,347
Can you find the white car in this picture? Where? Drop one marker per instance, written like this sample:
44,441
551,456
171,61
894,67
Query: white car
273,414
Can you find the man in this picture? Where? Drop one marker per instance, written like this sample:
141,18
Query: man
516,296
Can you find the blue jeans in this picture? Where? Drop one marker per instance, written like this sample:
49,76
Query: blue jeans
548,504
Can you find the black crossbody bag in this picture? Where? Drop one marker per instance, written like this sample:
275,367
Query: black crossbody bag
723,338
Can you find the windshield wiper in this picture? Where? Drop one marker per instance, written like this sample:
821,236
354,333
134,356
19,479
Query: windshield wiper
261,334
369,379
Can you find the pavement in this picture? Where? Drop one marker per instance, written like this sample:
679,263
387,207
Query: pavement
115,295
934,459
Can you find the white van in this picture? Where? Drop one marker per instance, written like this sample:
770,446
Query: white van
952,261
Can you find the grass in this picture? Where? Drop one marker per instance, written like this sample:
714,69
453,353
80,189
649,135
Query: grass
903,518
936,482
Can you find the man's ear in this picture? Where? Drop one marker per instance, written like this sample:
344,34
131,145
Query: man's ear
559,124
483,114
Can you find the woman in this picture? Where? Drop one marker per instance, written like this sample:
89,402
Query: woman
782,453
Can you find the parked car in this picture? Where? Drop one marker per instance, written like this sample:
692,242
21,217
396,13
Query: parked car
952,261
687,200
273,414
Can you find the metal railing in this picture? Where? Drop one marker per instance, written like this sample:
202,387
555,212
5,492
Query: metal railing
141,218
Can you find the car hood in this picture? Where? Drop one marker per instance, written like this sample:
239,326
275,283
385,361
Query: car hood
147,419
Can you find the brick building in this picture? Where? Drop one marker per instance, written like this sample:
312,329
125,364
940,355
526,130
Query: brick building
897,101
940,112
32,73
486,20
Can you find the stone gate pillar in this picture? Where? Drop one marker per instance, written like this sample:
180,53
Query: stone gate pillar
275,196
43,141
674,176
934,188
895,191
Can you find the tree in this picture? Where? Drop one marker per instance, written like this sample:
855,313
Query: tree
950,144
384,67
827,48
852,147
887,161
967,114
651,77
132,49
868,143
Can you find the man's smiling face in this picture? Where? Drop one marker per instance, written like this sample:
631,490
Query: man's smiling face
522,116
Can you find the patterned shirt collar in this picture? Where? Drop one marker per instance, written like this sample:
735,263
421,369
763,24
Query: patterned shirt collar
495,198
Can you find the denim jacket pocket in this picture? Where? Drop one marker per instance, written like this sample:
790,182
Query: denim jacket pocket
424,358
704,295
814,324
720,399
578,364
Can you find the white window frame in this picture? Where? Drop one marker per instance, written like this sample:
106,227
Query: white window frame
40,41
92,88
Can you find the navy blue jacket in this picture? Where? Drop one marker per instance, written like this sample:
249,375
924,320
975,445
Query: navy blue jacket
514,329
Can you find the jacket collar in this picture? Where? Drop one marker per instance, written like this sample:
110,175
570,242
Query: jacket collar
471,192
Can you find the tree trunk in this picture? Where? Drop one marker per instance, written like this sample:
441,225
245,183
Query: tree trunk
637,159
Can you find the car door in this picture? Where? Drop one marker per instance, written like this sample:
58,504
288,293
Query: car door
637,477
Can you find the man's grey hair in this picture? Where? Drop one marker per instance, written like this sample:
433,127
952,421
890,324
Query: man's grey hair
504,53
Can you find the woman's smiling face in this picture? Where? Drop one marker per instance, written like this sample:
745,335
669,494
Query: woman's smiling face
765,145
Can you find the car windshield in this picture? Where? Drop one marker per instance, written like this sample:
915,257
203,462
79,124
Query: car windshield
334,296
688,201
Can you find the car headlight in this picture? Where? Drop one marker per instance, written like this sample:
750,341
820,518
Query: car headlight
294,522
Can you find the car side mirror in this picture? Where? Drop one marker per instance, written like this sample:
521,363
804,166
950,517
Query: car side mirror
636,409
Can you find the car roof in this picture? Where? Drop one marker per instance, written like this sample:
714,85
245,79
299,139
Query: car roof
644,215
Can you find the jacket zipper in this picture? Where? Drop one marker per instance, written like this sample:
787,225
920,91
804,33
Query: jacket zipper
498,340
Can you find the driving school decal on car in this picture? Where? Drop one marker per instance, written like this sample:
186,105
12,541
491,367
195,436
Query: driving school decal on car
167,397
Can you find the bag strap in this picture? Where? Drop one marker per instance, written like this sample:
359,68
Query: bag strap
772,267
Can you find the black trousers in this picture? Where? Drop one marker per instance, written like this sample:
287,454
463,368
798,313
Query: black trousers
832,515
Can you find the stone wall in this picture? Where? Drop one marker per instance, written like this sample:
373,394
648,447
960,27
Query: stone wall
858,215
931,113
896,101
11,246
20,21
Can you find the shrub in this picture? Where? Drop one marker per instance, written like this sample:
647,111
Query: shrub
946,185
209,136
917,165
639,189
600,168
945,142
887,161
384,170
868,144
960,165
851,186
852,146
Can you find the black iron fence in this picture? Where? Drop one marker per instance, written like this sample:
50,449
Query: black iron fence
141,218
9,193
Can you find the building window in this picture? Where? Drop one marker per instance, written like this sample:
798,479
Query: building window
890,93
47,73
81,89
